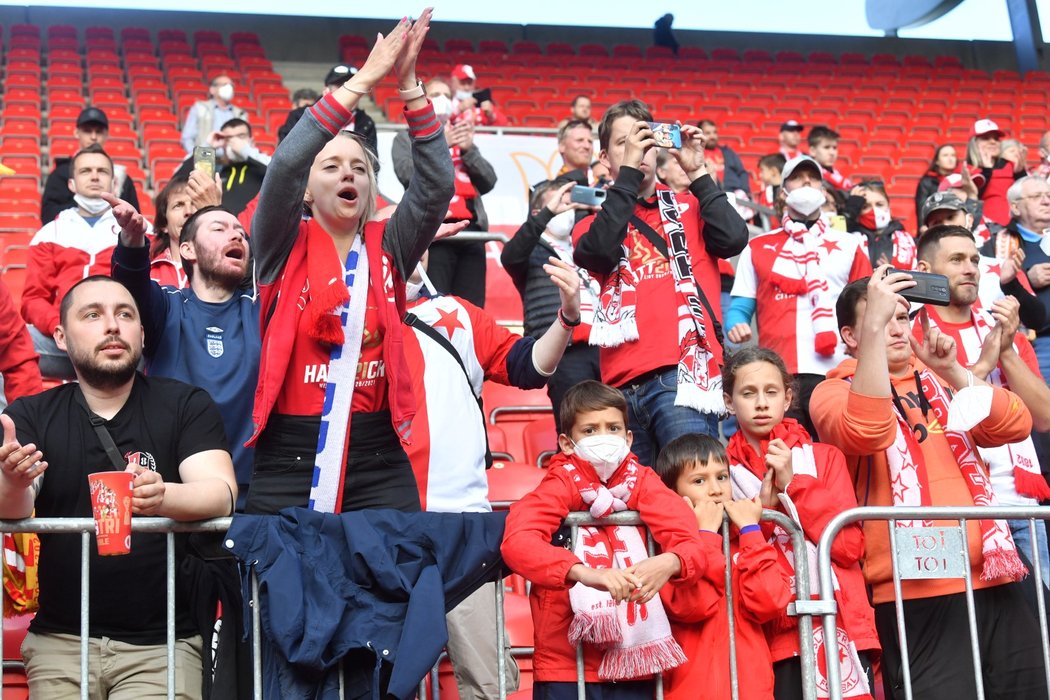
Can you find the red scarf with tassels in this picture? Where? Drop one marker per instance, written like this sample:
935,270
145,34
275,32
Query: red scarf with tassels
796,271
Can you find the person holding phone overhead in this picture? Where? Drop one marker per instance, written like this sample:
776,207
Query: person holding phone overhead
655,256
334,397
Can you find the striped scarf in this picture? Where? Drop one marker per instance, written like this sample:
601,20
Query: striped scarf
796,271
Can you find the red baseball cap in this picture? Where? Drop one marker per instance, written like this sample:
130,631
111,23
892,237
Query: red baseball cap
463,72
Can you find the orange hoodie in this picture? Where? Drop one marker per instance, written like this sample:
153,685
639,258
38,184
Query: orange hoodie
864,427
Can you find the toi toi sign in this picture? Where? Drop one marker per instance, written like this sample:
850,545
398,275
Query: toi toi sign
929,552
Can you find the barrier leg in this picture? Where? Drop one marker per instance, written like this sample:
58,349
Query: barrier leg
971,614
85,598
501,641
257,681
1040,599
734,679
898,601
169,549
581,683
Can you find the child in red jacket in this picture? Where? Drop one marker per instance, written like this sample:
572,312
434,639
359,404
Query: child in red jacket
774,457
603,593
696,467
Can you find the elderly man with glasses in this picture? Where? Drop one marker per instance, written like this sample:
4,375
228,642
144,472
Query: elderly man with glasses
1029,199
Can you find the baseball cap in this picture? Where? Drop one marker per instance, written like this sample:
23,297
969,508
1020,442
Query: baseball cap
791,125
800,161
339,74
941,200
93,115
983,127
464,71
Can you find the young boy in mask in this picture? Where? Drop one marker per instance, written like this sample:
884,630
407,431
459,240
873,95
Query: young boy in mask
791,278
545,234
604,591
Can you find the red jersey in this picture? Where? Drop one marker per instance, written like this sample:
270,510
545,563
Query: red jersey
304,384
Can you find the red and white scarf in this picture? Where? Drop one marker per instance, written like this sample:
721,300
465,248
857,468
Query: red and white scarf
905,252
615,320
1021,456
911,486
636,637
746,469
796,271
464,192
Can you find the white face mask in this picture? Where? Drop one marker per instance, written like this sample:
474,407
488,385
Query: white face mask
604,452
412,290
560,226
92,205
806,200
463,94
882,217
442,107
225,92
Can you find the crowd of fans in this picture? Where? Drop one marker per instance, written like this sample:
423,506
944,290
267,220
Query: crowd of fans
716,337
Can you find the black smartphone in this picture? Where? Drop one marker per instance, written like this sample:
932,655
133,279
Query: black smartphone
591,196
483,95
929,288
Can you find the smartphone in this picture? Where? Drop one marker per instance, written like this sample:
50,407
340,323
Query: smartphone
204,160
483,95
666,135
590,196
929,288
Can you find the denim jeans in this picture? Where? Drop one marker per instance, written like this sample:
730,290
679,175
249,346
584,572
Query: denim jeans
1023,541
54,363
654,419
1041,345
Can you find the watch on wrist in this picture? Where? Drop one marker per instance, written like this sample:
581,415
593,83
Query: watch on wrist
413,92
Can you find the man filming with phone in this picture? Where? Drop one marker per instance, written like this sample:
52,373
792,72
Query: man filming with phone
655,255
472,104
231,154
909,419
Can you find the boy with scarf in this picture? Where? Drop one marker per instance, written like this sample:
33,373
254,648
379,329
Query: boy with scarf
655,254
889,413
696,467
603,593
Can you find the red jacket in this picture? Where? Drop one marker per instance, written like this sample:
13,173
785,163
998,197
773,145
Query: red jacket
993,194
61,254
165,272
528,551
281,304
700,621
19,363
818,500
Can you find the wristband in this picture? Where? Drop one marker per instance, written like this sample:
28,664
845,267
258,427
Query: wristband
413,92
750,528
359,93
566,324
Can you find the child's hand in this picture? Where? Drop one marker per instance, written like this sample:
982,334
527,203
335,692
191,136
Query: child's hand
708,515
619,583
778,458
654,572
767,496
745,512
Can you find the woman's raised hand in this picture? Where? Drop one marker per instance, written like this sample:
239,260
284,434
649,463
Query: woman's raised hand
405,61
382,57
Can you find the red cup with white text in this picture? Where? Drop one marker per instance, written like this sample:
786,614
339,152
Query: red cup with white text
111,506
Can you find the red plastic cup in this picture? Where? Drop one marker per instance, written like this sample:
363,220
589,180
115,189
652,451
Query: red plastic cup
111,506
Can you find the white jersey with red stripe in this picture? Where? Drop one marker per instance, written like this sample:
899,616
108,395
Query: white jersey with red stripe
785,320
448,434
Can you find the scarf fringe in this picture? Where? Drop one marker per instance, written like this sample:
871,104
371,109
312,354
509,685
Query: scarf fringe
623,663
1031,485
325,326
608,335
825,343
999,563
601,629
710,400
788,285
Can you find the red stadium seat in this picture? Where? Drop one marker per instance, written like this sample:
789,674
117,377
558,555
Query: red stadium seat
540,439
510,481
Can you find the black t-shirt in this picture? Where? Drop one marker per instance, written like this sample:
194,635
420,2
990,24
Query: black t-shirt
165,421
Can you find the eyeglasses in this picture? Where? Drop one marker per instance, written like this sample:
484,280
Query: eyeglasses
1038,196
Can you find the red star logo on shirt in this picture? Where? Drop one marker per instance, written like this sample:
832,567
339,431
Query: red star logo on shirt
995,269
449,321
829,245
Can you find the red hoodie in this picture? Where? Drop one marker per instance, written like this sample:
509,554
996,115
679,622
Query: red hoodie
528,551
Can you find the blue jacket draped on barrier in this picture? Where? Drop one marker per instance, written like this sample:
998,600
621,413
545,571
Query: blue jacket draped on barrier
377,580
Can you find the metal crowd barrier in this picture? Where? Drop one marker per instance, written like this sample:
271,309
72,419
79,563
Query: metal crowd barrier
944,554
803,608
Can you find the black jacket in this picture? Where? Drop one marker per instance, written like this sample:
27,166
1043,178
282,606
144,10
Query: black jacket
241,182
363,125
523,258
734,177
58,197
